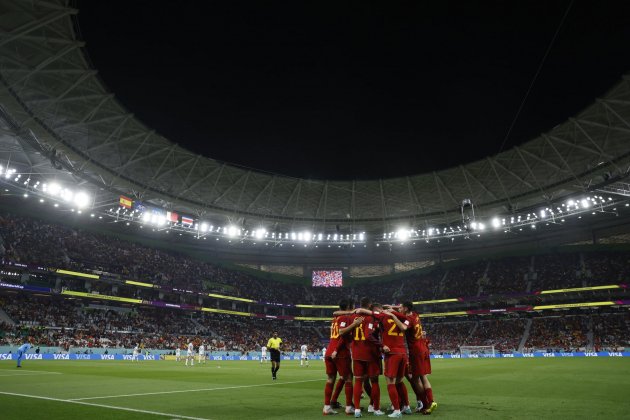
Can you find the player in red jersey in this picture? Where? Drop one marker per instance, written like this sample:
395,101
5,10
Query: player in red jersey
365,357
338,360
419,361
393,329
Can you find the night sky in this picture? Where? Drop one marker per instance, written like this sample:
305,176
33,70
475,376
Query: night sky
302,88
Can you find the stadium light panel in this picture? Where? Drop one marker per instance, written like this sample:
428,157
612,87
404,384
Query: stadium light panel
496,223
67,195
402,234
204,227
81,199
586,203
54,189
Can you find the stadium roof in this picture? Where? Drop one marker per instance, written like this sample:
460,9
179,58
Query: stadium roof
56,111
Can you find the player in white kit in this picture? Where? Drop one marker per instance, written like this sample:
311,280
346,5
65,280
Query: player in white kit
324,354
178,354
304,356
190,354
136,352
263,354
202,353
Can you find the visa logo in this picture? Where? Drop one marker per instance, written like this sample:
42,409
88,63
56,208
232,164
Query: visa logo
61,356
33,357
107,357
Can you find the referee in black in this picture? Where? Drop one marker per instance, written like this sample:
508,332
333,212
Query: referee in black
274,352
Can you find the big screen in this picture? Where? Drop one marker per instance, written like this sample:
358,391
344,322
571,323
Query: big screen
327,278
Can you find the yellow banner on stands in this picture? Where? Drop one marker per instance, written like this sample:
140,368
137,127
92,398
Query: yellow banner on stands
573,305
77,274
580,289
318,306
99,296
139,283
426,302
443,314
311,318
230,297
225,311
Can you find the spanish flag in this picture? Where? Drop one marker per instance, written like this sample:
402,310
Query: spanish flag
125,202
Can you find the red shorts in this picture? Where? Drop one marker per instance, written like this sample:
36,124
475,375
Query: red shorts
420,363
395,365
340,365
363,368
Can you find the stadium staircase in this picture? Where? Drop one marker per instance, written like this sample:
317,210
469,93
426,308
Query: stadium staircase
528,327
483,279
200,328
318,332
472,332
5,318
442,284
589,335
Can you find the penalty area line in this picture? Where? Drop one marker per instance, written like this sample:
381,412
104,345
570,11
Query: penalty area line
194,390
112,407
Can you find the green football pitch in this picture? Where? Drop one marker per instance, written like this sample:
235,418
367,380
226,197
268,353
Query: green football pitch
464,389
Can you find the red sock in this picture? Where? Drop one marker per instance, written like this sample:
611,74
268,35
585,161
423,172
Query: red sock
340,383
402,394
393,396
348,388
429,392
358,388
327,393
376,395
424,400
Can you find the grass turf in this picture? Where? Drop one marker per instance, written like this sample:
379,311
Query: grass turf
556,388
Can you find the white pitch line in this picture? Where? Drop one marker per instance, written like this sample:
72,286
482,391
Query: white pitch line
31,373
113,407
193,390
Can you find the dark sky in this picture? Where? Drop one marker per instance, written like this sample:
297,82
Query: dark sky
303,88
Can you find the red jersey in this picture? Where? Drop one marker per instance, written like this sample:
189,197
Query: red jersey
336,341
392,336
364,341
414,334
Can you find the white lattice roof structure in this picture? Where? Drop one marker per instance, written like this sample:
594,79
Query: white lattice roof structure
52,101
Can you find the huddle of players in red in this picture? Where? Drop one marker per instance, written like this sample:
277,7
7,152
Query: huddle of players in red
358,341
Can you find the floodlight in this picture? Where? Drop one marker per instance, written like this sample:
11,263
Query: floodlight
67,195
496,223
81,199
54,188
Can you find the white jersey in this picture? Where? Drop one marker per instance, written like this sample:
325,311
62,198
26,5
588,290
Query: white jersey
324,352
263,350
178,352
303,348
136,350
191,349
202,350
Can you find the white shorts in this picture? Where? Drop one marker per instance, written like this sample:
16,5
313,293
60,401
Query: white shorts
303,355
190,353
